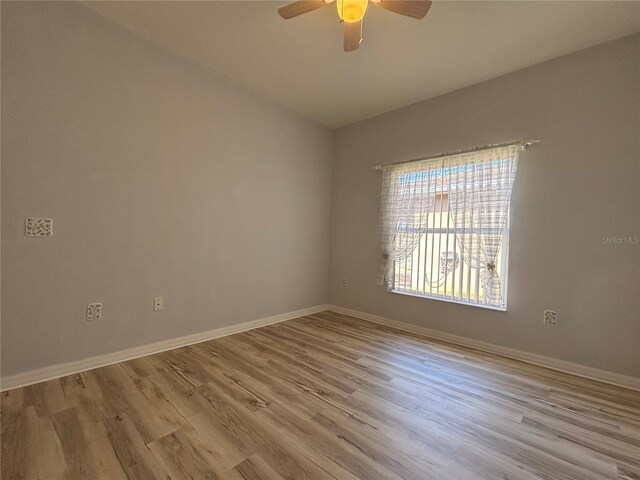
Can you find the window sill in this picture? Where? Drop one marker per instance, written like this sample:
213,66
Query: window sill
450,300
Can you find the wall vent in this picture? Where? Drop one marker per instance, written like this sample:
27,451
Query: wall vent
38,227
94,311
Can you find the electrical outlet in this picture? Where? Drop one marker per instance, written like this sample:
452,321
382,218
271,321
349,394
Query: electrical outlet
158,304
345,283
94,312
550,318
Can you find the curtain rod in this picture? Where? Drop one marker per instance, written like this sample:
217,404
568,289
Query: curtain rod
524,143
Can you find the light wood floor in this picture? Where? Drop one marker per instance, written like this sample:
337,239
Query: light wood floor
321,397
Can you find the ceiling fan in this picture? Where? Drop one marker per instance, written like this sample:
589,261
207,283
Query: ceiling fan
351,13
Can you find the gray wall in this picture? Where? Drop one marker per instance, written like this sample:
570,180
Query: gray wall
163,180
579,185
160,179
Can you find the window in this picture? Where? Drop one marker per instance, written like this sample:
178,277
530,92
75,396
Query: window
444,227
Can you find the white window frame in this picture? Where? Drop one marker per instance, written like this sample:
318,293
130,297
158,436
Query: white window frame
504,273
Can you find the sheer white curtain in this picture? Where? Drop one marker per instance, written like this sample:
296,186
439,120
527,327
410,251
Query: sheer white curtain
479,202
478,186
408,196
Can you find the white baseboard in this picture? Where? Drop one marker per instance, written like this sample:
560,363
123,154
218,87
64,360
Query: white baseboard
55,371
548,362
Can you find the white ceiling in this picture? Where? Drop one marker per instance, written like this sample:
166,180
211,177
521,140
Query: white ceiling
300,62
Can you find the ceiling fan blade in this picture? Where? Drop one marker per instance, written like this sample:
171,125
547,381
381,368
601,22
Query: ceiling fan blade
352,35
298,8
410,8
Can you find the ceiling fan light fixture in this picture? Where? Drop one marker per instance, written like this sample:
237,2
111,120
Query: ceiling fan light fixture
352,11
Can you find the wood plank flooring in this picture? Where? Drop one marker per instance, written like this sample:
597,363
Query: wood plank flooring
321,397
